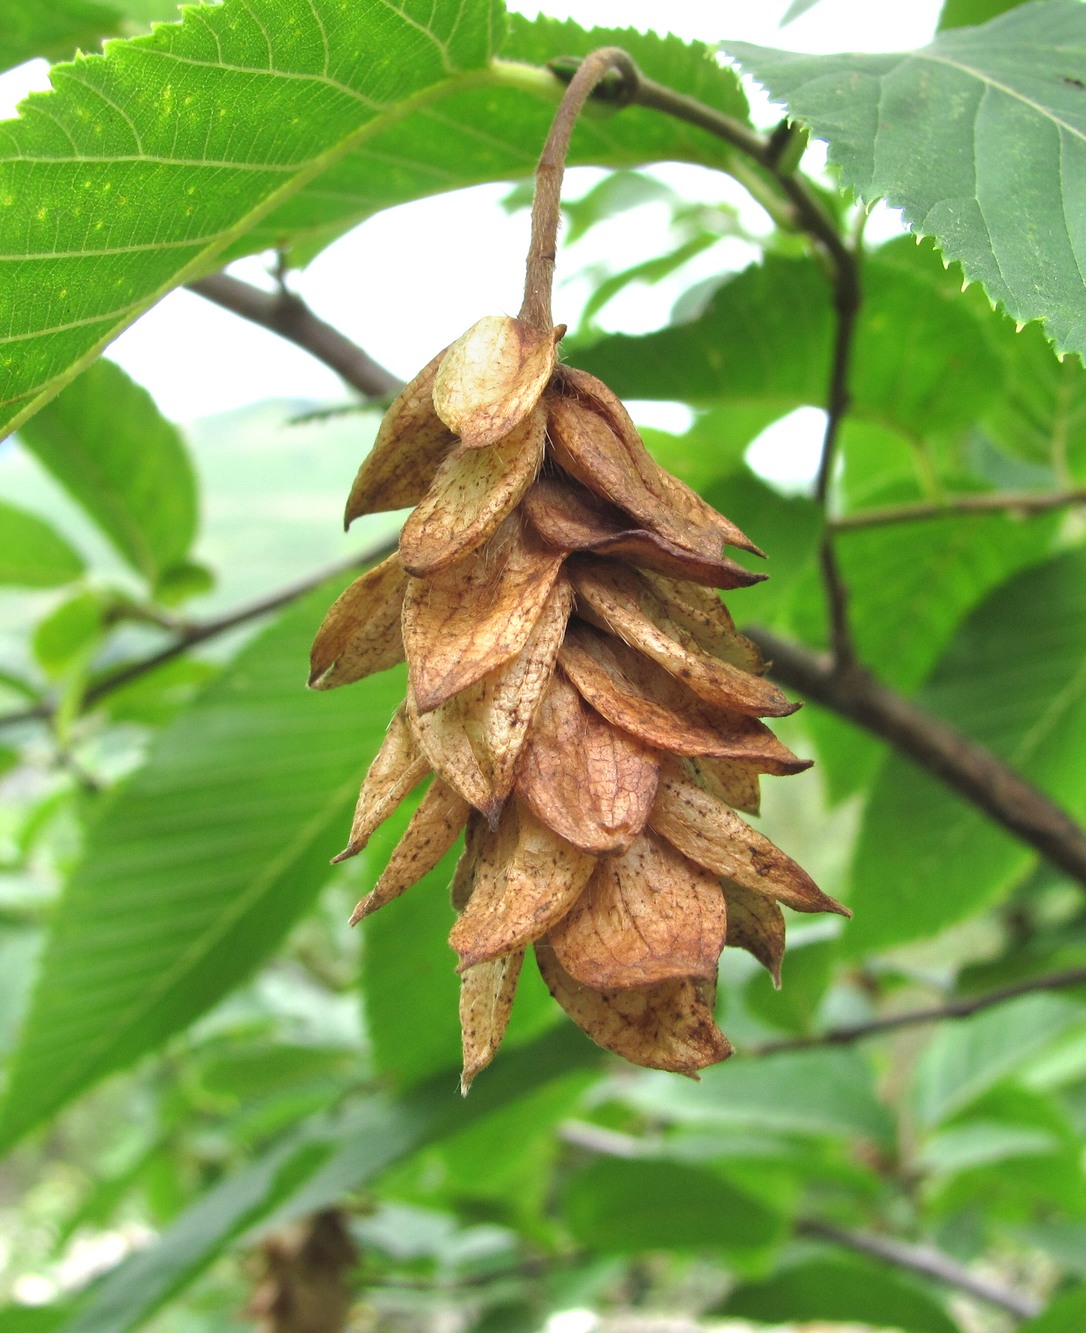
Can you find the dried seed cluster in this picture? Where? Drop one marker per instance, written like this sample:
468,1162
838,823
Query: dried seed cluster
581,695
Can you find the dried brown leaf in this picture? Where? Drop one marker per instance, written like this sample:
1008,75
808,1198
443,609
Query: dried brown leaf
398,769
492,377
471,495
433,829
570,518
408,450
592,783
526,878
645,916
471,618
708,832
594,440
640,697
475,739
622,602
361,633
666,1026
755,923
486,997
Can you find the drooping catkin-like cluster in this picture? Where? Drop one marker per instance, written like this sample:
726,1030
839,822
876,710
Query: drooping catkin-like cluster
581,696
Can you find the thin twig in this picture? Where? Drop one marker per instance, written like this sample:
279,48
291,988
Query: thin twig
809,216
547,200
922,1259
1024,503
285,313
935,1013
925,1260
962,763
201,633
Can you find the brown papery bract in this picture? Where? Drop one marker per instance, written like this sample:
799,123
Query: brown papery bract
472,493
668,1025
492,377
621,602
646,916
361,633
706,831
469,619
590,782
526,878
408,450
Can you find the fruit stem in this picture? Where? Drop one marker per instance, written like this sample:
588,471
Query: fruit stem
546,205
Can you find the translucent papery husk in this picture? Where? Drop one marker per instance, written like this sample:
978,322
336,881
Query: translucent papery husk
729,780
709,833
411,443
492,377
524,878
397,770
668,1025
756,924
592,783
594,440
486,998
621,601
645,916
476,738
634,693
433,829
361,633
472,493
472,617
570,518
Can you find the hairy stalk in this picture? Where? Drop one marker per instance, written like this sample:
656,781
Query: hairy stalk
546,205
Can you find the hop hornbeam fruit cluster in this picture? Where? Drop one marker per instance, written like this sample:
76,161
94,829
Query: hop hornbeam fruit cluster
581,696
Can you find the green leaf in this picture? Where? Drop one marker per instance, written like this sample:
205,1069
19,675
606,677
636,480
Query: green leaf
311,1170
969,13
443,148
979,138
809,1093
409,981
111,449
663,1205
925,858
844,1288
32,554
145,164
198,866
54,30
1066,1314
1041,416
70,633
163,141
746,344
968,1057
